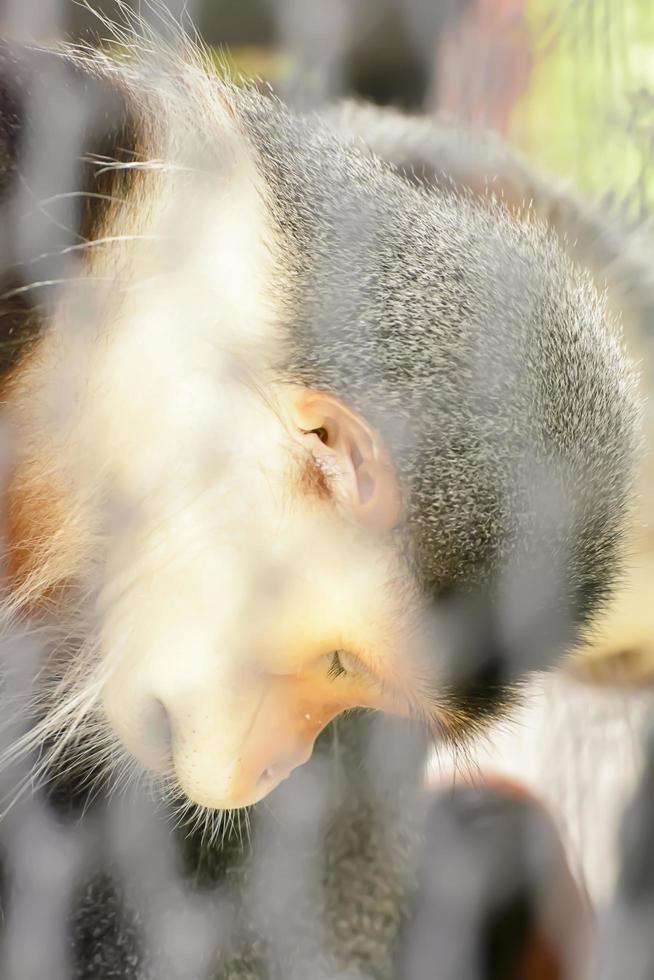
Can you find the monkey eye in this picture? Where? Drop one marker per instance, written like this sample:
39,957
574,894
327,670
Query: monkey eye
342,663
336,668
347,665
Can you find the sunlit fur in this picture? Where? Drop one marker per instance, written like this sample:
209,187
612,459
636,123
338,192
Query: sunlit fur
156,532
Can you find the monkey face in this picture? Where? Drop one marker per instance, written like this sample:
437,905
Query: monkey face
232,534
249,585
242,552
237,624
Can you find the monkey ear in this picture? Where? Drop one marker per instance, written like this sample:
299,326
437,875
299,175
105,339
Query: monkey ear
351,455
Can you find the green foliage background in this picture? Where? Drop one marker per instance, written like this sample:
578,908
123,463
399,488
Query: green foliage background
589,112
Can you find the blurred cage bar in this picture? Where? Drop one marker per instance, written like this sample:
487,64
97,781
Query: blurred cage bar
567,82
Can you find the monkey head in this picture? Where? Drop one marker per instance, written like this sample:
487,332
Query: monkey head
297,436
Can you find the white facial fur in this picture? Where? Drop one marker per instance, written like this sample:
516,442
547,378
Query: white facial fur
221,591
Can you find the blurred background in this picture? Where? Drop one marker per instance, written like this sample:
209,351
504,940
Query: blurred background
569,82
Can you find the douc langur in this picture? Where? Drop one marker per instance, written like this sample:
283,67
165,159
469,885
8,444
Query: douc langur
289,432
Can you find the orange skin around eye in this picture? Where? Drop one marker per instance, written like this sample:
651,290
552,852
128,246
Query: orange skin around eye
292,712
288,719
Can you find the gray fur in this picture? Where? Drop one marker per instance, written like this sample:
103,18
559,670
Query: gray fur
470,339
441,151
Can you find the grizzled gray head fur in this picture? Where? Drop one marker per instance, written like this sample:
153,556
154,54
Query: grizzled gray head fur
463,334
485,358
